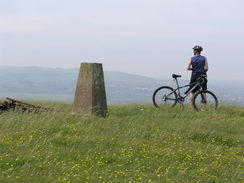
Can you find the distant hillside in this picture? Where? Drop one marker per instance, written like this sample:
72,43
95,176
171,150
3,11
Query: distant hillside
45,83
59,85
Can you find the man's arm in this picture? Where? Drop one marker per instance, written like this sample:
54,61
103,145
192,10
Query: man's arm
206,65
188,67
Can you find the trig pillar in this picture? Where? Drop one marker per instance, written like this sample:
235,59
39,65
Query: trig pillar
90,95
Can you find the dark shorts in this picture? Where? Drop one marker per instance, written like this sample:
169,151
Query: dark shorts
194,79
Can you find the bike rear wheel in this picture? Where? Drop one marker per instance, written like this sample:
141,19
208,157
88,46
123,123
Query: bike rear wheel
205,101
164,96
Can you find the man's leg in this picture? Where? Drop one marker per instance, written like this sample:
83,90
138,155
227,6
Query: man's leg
192,94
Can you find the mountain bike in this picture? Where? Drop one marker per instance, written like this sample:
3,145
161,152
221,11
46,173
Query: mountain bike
204,100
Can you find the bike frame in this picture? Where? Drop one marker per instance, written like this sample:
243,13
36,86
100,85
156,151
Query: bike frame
177,90
196,84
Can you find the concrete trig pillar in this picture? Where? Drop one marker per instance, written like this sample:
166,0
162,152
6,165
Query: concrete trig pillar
90,95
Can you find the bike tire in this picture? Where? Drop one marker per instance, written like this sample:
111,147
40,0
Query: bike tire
168,95
205,101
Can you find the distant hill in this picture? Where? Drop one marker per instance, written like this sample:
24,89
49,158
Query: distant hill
59,84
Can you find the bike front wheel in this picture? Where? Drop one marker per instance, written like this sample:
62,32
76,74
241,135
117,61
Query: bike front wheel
164,96
205,101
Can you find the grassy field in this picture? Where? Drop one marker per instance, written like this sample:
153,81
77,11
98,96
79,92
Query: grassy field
136,143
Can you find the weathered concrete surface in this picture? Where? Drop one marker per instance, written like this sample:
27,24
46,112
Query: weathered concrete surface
90,95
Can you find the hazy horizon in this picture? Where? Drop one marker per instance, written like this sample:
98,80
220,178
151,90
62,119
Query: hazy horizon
169,77
145,37
59,84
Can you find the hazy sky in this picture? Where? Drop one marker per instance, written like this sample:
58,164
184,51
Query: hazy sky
146,37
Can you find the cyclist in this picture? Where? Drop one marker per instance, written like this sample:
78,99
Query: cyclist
198,64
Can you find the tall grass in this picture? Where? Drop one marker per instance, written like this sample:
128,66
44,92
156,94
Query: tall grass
136,143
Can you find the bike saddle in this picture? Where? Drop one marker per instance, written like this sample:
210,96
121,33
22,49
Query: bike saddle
175,76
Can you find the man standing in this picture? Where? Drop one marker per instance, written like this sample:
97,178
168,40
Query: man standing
198,64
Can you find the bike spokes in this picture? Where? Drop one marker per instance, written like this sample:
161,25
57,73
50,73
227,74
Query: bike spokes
205,101
164,96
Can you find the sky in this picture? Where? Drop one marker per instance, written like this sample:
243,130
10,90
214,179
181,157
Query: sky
146,37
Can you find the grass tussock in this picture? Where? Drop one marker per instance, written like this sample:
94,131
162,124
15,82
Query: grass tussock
136,143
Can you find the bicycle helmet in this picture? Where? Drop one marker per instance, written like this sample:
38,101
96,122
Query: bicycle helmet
198,48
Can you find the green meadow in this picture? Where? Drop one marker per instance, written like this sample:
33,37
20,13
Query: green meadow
135,143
